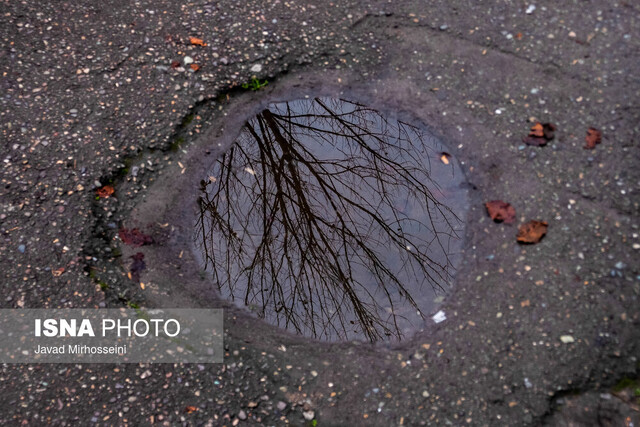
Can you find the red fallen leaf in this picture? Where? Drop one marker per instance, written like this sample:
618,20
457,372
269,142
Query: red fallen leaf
196,41
194,67
519,36
532,232
190,409
501,211
58,272
134,237
540,134
593,138
105,191
175,64
137,266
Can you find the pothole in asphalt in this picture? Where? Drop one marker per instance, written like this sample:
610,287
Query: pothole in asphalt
333,221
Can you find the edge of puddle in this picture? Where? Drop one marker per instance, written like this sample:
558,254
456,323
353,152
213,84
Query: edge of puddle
174,277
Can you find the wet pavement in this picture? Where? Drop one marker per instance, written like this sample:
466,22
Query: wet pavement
95,96
327,219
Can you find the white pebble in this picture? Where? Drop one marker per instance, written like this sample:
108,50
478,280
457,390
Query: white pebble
256,68
567,339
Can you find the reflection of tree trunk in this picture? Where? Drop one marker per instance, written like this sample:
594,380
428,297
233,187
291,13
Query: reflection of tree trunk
321,222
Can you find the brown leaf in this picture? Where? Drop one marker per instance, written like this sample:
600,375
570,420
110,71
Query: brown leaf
540,134
58,272
501,211
196,41
134,237
105,191
175,64
194,67
190,409
594,137
532,232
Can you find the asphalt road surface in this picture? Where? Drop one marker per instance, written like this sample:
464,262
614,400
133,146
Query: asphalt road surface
116,93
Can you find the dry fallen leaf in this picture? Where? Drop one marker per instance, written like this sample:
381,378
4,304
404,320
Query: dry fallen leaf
194,67
105,191
175,64
532,232
594,137
501,211
196,41
58,272
190,409
540,134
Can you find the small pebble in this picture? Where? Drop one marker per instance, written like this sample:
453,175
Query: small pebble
242,415
567,339
22,248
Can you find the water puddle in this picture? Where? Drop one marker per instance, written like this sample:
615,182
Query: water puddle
330,220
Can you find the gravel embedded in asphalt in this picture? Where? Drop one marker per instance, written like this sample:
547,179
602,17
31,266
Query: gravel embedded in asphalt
95,94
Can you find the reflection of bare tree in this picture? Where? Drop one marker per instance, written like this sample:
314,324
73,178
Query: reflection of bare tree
322,213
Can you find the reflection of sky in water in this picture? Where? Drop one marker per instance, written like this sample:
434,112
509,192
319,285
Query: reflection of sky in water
377,174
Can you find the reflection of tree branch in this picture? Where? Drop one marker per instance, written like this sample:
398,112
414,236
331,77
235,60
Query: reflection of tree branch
297,233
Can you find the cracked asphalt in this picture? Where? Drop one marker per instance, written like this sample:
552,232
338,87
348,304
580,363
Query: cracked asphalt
95,94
